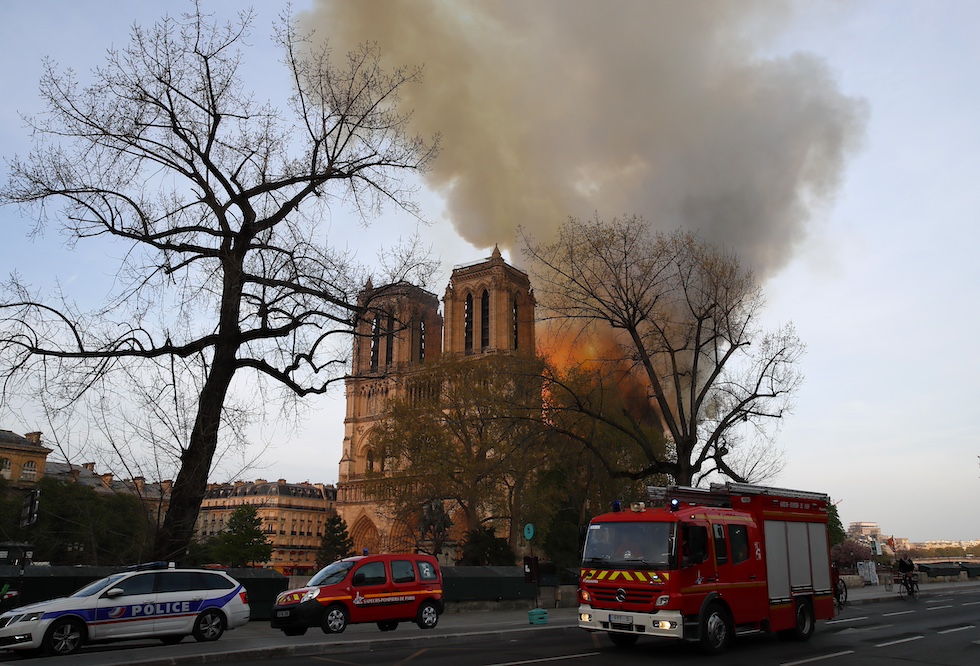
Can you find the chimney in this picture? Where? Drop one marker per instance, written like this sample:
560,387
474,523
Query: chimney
140,483
166,486
89,466
33,438
106,479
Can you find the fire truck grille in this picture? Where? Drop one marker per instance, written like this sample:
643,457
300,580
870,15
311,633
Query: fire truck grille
633,597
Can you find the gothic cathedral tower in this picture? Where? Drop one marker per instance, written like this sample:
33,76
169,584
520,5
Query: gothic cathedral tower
489,308
399,330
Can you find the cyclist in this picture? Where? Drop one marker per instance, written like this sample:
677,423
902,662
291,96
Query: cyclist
906,567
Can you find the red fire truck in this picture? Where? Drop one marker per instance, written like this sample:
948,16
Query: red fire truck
707,565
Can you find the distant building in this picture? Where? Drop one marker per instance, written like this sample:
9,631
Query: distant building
293,517
864,531
155,496
22,458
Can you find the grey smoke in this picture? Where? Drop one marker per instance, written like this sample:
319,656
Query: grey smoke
668,110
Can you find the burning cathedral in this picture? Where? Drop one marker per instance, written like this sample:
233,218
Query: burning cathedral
488,308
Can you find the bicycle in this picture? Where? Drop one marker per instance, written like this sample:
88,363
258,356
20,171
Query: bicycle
908,586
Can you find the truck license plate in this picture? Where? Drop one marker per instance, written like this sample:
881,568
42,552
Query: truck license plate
284,613
621,619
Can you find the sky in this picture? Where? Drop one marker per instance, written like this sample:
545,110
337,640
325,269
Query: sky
832,145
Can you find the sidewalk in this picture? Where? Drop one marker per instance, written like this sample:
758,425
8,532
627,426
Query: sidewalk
876,593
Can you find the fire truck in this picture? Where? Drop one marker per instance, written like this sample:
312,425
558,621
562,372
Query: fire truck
708,564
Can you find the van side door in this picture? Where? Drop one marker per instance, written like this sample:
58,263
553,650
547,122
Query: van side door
370,589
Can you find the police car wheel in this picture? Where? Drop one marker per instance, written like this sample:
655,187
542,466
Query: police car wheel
428,615
64,637
334,620
171,640
209,626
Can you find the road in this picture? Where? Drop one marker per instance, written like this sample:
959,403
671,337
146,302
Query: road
942,627
940,630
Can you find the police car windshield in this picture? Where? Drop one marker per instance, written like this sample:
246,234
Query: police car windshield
330,574
98,586
630,546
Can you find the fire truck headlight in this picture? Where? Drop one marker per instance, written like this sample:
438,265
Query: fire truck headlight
663,600
310,594
584,596
585,617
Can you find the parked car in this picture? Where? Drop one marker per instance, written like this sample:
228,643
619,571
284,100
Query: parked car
386,589
158,601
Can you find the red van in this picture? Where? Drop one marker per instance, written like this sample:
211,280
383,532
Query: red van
386,589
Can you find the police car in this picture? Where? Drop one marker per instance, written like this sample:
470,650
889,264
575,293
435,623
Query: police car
154,601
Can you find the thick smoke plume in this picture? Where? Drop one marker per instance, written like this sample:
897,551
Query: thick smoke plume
668,110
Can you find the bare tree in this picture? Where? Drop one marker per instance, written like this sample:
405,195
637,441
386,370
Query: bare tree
680,319
226,276
466,434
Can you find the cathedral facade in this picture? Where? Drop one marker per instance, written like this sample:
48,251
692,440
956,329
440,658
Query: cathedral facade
488,308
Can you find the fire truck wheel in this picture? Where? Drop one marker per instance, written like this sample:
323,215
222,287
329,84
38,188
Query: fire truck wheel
623,640
804,622
716,629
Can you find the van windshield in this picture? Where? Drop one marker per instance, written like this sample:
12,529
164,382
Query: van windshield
332,573
630,546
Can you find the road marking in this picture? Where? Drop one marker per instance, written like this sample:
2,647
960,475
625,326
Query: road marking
931,608
898,613
901,640
545,659
970,603
848,619
939,601
953,631
813,659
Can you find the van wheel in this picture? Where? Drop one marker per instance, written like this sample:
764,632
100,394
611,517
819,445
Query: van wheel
804,622
716,630
388,625
64,637
428,615
294,631
623,640
335,620
209,626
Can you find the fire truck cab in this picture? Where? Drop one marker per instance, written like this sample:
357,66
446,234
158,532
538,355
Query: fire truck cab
708,564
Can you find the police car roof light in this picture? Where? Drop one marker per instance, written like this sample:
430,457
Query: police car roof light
150,566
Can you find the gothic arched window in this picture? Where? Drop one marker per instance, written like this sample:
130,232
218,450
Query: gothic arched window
485,321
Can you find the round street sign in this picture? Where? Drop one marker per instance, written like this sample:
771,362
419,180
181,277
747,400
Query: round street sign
529,531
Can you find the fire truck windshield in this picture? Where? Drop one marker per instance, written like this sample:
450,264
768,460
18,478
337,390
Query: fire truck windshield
618,545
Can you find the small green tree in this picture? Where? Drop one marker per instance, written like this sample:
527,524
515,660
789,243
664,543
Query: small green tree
484,548
336,543
837,533
243,541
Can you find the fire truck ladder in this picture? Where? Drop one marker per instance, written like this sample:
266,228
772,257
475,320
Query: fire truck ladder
721,494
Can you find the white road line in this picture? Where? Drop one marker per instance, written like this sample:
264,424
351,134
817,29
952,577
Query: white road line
939,601
813,659
546,659
970,603
901,640
953,631
847,619
931,608
898,613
